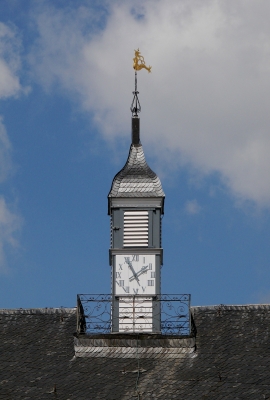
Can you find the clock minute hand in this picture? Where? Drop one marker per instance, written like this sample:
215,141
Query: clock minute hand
134,273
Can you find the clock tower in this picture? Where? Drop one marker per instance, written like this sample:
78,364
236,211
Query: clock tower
136,206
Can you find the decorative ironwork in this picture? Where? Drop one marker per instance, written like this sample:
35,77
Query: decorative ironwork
165,314
94,313
175,314
138,64
135,107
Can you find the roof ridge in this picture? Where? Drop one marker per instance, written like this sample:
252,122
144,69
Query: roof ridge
56,310
233,307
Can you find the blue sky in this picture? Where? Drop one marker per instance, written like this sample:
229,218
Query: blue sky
66,83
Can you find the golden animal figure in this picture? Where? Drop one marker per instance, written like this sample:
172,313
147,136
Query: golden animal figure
139,63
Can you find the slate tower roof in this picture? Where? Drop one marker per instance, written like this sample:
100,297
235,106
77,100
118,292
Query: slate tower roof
136,179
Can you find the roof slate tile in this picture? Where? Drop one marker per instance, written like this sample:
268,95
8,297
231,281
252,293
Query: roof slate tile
232,360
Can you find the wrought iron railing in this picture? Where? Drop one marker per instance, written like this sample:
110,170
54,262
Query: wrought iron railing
165,314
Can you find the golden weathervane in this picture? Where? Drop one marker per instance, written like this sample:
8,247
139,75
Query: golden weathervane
139,63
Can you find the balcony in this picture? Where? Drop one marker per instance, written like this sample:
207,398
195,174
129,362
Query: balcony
167,314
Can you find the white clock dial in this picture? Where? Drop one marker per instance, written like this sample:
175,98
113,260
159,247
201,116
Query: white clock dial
135,274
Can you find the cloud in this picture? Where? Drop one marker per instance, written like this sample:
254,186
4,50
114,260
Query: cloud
262,297
9,62
207,99
5,149
192,207
10,225
10,222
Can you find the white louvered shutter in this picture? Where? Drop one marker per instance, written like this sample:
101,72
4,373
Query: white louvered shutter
136,228
135,314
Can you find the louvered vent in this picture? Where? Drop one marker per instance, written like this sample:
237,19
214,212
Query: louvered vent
136,229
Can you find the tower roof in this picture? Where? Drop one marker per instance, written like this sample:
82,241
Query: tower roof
136,179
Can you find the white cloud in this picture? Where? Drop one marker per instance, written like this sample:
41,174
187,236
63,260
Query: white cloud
262,297
10,224
9,62
192,207
207,99
5,148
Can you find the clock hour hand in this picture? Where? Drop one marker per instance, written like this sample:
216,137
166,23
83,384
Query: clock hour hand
135,276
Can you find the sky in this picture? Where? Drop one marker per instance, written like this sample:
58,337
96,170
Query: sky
66,82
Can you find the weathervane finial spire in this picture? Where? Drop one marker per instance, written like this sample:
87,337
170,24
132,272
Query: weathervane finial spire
138,64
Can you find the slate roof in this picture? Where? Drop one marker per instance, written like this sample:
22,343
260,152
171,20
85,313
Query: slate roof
136,179
231,360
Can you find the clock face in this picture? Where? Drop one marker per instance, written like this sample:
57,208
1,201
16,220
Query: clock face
135,274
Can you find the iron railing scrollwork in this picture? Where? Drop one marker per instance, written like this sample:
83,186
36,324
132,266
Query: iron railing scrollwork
170,312
94,313
175,314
